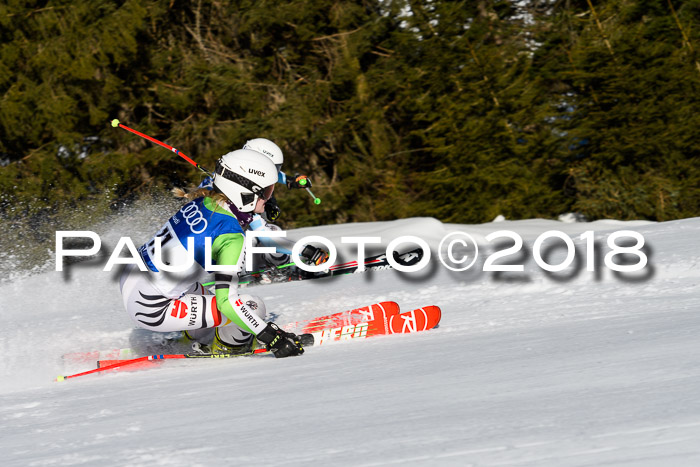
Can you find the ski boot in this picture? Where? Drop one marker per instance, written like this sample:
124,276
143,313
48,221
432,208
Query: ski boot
245,346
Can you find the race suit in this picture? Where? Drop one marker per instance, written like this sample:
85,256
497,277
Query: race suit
164,301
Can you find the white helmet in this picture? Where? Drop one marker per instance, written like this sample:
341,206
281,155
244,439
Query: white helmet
267,147
244,176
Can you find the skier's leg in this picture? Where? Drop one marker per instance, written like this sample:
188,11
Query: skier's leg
231,339
151,310
195,313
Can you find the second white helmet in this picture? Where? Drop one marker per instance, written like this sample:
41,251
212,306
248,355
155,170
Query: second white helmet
267,147
244,176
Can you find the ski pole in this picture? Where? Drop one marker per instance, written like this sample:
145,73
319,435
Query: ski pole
105,368
303,181
316,200
115,123
157,357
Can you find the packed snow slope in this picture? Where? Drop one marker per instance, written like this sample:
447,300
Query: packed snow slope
526,368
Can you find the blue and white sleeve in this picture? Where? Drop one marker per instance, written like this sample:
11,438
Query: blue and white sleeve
282,244
206,183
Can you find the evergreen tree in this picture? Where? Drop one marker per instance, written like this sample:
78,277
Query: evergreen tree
457,110
629,102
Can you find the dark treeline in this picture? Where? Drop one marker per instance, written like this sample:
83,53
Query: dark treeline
457,110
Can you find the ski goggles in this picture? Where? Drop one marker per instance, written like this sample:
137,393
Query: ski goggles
264,196
267,193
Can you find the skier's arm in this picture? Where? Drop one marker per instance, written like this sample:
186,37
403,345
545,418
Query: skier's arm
272,209
227,250
206,183
282,244
285,245
297,181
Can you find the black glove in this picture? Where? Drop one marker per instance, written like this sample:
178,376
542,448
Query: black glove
280,343
272,209
299,181
315,255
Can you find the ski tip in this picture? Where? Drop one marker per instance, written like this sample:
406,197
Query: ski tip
435,314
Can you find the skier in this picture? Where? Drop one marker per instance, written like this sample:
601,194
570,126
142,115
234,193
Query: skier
213,225
272,212
271,150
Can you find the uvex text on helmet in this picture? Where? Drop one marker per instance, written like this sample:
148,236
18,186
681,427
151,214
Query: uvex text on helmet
267,147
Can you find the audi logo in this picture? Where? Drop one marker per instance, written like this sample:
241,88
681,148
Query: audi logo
194,218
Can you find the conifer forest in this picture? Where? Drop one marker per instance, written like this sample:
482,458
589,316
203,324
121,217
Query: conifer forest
458,110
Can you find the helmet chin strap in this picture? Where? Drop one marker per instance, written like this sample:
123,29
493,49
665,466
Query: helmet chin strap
244,218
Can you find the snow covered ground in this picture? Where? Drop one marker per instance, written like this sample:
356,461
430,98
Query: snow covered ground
527,368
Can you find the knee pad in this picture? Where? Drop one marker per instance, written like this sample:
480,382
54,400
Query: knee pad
254,304
232,334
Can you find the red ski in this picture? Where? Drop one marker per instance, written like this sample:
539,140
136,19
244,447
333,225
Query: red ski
378,322
360,323
343,318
